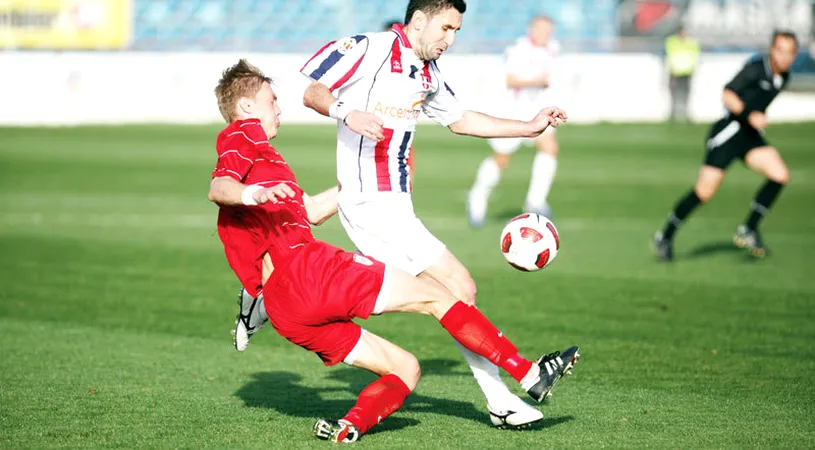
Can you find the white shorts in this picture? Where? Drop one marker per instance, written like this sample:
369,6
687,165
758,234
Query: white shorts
384,227
518,111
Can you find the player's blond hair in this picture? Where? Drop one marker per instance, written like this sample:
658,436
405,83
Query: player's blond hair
542,18
238,81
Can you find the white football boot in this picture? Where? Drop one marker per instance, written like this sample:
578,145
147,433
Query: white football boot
251,318
518,415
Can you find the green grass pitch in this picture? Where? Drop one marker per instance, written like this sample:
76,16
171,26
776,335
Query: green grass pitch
116,300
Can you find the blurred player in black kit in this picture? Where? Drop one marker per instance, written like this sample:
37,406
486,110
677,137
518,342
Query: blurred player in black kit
740,135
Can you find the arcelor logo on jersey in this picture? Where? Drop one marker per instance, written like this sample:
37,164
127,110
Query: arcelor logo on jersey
396,112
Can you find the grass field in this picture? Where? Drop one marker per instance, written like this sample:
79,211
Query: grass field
116,300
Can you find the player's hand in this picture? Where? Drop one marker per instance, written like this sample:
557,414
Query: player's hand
272,194
551,116
365,124
757,120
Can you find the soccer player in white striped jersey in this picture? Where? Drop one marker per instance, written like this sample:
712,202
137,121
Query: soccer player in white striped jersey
529,66
375,85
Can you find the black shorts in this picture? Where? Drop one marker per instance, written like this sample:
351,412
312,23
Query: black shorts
729,139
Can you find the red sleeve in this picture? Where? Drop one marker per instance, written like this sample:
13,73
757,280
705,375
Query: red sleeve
233,162
237,151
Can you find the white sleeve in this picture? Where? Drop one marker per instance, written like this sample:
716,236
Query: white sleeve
517,61
335,65
554,48
442,105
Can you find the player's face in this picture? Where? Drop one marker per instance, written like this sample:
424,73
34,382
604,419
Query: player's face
438,33
540,32
267,110
783,53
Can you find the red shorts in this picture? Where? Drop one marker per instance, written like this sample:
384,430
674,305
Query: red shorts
312,300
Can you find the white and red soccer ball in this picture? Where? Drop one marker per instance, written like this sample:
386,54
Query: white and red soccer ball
530,242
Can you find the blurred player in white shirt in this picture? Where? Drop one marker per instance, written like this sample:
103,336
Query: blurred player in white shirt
530,63
376,85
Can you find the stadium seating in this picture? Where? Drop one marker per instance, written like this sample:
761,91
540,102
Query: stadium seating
299,26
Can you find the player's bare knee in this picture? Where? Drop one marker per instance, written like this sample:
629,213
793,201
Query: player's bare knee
409,370
501,160
467,288
551,148
705,194
705,191
780,175
461,284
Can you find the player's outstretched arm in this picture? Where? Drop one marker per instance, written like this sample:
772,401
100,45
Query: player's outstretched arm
319,98
477,124
226,191
322,206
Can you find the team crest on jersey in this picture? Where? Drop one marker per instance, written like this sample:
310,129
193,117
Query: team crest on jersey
359,259
347,45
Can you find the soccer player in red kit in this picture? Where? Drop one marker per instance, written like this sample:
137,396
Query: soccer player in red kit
313,290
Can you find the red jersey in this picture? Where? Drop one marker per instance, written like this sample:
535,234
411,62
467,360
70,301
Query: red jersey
248,232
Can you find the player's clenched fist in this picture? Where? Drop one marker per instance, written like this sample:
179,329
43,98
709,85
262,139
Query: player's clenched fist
365,124
279,191
757,120
547,117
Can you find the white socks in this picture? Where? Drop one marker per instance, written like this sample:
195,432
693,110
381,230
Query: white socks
487,177
489,174
543,174
489,380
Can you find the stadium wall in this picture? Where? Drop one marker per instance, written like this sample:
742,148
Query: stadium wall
70,88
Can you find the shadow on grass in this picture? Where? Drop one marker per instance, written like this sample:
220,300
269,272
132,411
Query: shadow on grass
284,392
714,248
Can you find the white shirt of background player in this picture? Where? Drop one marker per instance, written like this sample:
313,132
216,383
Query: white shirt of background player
529,64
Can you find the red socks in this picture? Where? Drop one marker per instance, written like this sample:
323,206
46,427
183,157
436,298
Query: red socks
377,401
468,326
475,332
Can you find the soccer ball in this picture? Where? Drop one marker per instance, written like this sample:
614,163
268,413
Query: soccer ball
530,242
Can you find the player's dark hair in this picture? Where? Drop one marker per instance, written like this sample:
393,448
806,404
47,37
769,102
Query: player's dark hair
240,80
784,34
433,7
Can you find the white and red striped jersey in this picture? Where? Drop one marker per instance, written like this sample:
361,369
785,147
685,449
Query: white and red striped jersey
528,61
380,73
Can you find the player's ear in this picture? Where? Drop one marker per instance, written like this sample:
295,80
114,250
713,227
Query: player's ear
246,106
418,21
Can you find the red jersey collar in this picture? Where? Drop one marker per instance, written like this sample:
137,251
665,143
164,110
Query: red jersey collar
400,31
